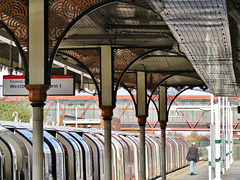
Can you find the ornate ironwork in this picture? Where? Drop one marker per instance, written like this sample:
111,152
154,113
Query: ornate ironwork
130,80
89,58
13,14
153,80
123,57
62,13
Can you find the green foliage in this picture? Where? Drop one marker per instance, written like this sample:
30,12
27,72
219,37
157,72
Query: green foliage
201,142
197,141
174,133
205,139
8,107
236,141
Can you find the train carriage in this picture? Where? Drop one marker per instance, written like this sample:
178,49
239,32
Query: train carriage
75,153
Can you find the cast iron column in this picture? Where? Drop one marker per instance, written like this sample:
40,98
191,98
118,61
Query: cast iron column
142,115
163,118
142,158
106,105
37,59
107,113
37,95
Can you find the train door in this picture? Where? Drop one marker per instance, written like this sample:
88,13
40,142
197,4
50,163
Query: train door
87,156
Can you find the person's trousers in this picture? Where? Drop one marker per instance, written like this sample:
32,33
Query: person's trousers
192,166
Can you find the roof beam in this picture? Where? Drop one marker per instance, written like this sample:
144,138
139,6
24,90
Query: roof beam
142,35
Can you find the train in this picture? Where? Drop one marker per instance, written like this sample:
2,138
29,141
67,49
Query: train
78,153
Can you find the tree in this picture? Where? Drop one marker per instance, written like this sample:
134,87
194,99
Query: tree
8,107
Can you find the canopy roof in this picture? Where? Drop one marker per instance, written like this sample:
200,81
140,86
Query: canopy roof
183,43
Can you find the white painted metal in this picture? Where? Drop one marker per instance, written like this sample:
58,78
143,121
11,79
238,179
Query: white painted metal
108,150
163,155
163,103
227,135
163,117
223,136
107,100
217,143
83,121
231,135
141,93
76,116
141,110
212,139
37,157
142,153
209,163
15,115
106,75
36,41
58,113
36,52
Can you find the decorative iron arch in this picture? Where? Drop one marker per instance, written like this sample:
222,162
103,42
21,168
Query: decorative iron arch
175,97
89,6
84,67
150,97
17,29
131,63
132,96
15,40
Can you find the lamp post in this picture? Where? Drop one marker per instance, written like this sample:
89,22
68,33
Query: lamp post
15,115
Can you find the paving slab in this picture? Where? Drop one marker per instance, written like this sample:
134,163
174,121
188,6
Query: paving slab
202,172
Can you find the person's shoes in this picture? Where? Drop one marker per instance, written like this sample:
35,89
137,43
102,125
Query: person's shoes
192,174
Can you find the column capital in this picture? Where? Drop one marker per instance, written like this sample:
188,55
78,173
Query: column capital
107,112
141,119
37,92
163,124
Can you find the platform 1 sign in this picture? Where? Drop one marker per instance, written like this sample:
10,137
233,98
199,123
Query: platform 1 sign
60,85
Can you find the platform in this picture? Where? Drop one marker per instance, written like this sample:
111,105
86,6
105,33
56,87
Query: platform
202,172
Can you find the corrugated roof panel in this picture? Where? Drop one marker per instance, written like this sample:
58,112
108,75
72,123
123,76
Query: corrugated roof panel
201,29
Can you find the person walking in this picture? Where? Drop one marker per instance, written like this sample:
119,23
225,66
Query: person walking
193,157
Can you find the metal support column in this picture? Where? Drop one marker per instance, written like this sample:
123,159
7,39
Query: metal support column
142,115
106,105
37,115
108,148
217,142
142,158
212,140
37,95
163,118
37,54
227,135
58,113
223,136
231,135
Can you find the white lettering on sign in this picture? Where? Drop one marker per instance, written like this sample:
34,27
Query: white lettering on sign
60,85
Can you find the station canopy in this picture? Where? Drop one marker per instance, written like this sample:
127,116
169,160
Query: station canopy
185,43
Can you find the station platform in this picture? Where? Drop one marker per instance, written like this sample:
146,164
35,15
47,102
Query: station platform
202,172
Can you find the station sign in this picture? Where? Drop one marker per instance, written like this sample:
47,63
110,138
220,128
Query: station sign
60,86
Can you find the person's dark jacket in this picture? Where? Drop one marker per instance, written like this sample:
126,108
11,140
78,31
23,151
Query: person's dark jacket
192,154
